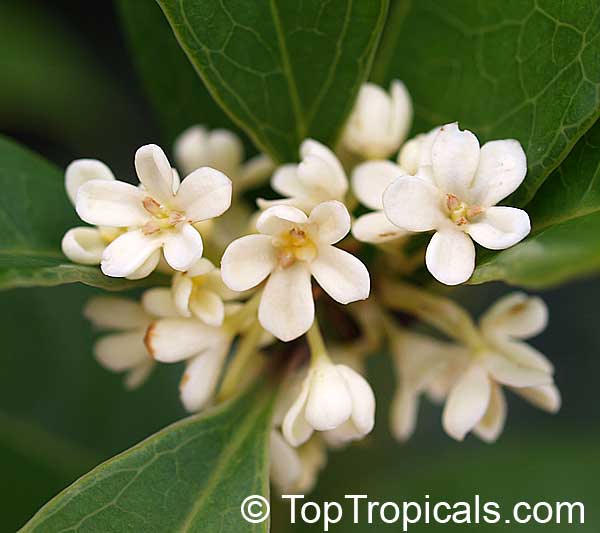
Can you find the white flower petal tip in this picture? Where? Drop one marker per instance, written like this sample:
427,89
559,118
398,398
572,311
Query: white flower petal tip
81,171
198,383
370,179
376,228
379,122
454,191
83,245
332,398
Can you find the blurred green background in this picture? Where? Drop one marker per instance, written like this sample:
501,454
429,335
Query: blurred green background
69,90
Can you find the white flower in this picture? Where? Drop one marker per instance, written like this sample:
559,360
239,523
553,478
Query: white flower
155,216
203,347
332,397
416,152
200,292
295,470
369,181
379,121
456,197
318,177
288,250
222,150
124,349
419,360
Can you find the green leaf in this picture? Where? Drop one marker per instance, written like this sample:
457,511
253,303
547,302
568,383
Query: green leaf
520,69
178,96
565,216
34,215
191,476
283,70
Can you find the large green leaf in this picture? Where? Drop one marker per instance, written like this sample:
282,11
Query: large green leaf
178,96
521,69
191,476
283,70
565,215
34,215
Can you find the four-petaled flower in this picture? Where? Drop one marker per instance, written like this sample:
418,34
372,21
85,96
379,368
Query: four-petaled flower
159,215
291,247
456,196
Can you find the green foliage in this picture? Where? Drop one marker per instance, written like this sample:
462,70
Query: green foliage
284,71
191,476
178,96
34,215
520,69
565,216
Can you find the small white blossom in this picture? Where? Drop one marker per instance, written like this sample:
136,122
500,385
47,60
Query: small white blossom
319,177
200,292
158,215
123,350
288,250
222,150
203,347
471,379
416,152
295,470
456,196
332,397
379,122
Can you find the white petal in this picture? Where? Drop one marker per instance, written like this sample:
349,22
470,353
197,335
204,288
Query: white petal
182,287
344,277
413,204
247,261
514,373
285,181
330,222
546,397
450,256
112,312
83,245
139,374
155,173
280,218
467,403
502,168
521,354
403,416
287,308
182,247
370,179
416,153
401,115
200,380
286,467
492,423
204,194
208,307
147,267
191,149
455,156
121,351
363,400
226,151
128,252
158,302
329,403
295,428
81,171
321,172
255,172
375,228
174,339
516,315
111,203
201,267
500,227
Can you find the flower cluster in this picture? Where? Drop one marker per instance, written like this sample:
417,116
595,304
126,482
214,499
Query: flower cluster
232,279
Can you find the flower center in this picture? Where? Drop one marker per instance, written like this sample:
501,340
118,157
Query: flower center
162,217
295,245
459,212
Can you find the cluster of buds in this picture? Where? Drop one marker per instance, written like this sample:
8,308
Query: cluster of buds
243,274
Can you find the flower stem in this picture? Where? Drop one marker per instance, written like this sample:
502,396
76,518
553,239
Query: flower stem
316,343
